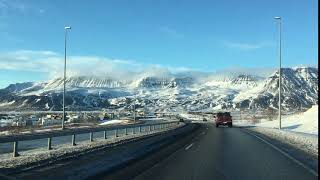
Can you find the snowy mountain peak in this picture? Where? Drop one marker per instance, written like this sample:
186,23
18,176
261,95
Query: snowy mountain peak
164,82
85,82
166,93
244,80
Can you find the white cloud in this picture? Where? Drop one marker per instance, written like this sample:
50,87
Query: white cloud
52,63
246,46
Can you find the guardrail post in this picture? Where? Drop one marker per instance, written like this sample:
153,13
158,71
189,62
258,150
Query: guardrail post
91,136
105,134
126,130
116,133
140,129
49,143
73,140
15,149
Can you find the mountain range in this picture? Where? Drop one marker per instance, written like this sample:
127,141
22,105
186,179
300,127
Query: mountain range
187,92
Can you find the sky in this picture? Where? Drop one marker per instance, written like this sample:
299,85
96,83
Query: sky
114,37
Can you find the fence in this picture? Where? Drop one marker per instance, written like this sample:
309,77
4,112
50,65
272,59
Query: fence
135,128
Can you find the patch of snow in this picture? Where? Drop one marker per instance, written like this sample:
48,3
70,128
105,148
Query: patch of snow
115,121
305,142
7,103
47,106
306,122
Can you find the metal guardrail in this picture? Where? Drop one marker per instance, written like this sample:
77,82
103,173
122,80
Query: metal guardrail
73,132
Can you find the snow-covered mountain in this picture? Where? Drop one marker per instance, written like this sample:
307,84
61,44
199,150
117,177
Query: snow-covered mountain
168,92
156,82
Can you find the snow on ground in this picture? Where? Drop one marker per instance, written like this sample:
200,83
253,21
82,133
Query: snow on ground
306,122
115,121
298,130
7,103
152,119
305,142
191,116
45,129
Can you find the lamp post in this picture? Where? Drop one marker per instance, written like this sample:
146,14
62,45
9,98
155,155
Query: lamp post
279,20
64,74
134,109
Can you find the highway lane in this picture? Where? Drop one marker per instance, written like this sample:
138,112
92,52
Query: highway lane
108,159
207,153
225,153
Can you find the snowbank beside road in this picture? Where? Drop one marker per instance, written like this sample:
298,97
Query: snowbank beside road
305,142
116,121
306,122
298,130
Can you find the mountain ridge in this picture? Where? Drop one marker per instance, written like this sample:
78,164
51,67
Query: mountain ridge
168,93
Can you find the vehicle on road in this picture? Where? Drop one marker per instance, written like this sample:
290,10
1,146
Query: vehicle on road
204,119
223,118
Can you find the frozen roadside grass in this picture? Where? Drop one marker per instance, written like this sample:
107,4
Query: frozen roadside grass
308,143
32,158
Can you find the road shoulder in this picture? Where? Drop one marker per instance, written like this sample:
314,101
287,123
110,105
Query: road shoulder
294,149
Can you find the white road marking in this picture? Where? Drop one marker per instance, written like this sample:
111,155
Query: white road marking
188,147
286,154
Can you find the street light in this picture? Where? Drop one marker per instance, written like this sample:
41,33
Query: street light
64,74
279,20
134,108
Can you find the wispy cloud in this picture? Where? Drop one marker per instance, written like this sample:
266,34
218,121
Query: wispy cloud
51,63
171,32
245,46
17,6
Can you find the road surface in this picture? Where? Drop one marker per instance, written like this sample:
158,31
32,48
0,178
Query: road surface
207,153
221,153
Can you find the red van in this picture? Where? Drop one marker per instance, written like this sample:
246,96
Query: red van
223,118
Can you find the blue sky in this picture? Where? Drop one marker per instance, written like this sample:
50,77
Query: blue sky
175,34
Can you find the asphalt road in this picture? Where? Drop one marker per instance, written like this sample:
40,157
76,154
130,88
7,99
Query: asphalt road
102,161
226,153
207,153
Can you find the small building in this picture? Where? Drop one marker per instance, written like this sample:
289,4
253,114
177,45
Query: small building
51,119
106,116
32,121
72,118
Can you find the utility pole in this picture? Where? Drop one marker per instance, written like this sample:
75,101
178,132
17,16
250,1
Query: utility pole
134,109
280,23
64,75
